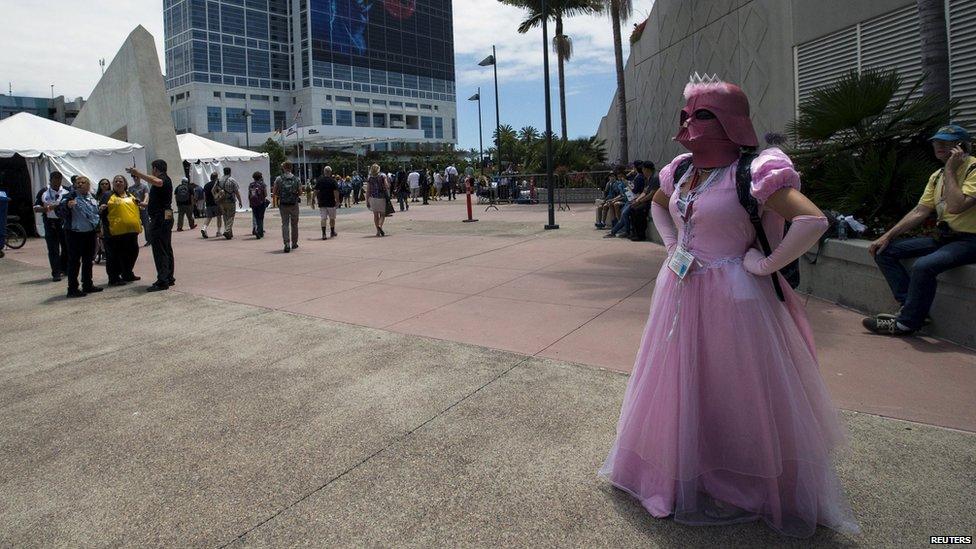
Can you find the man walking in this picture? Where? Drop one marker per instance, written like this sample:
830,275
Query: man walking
413,181
451,174
82,221
328,197
951,195
357,187
227,193
425,185
286,190
46,203
160,210
184,204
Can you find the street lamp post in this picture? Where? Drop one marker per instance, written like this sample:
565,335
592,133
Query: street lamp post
247,126
493,61
481,148
548,106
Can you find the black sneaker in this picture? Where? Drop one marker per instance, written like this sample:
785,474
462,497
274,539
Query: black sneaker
228,236
56,278
925,322
609,235
131,278
334,234
76,293
91,289
157,287
885,326
294,246
287,248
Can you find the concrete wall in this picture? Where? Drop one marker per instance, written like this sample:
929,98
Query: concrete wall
747,42
130,102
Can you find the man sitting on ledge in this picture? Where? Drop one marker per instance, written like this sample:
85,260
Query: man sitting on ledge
951,194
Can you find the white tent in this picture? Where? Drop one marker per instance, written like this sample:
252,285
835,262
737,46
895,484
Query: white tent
49,146
207,156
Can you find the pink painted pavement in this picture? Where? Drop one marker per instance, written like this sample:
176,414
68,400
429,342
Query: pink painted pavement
507,284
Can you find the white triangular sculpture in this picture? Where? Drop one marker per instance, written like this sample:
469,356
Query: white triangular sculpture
130,102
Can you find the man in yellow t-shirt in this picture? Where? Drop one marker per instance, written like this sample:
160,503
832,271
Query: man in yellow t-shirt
951,195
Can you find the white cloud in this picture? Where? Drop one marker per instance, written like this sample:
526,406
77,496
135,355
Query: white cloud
61,42
480,23
63,45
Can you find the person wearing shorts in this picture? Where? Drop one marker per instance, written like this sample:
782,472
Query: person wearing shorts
328,197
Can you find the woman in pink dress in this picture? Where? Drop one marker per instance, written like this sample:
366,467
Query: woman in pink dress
726,418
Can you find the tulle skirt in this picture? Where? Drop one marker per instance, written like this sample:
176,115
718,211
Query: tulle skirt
726,418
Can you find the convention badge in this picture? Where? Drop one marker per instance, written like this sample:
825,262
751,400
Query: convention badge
680,262
168,215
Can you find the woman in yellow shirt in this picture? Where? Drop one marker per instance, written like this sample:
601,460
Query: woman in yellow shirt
120,211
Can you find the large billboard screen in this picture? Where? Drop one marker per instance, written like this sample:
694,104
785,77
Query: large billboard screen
405,36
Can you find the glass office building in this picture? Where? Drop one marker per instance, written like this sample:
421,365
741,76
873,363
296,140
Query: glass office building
361,67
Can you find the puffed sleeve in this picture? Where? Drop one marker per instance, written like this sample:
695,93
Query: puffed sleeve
666,176
772,170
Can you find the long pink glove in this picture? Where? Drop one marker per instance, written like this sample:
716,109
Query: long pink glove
804,233
664,225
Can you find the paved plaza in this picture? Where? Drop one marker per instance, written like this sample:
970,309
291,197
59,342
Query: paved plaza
452,384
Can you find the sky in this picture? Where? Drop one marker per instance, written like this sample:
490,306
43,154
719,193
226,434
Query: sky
64,45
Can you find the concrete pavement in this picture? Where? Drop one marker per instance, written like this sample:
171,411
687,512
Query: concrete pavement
196,417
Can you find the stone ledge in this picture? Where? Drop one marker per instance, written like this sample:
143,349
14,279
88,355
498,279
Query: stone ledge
846,274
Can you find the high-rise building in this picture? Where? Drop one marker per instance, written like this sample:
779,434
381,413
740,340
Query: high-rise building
369,71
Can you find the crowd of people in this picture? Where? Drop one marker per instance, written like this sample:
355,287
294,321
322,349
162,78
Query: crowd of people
83,225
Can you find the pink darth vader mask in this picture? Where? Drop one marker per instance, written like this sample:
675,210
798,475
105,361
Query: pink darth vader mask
715,122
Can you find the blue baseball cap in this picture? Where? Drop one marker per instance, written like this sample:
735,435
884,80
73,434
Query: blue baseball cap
952,132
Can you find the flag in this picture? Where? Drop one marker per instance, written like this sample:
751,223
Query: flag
490,60
292,130
475,97
298,115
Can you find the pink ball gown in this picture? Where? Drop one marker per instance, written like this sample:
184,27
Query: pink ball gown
726,401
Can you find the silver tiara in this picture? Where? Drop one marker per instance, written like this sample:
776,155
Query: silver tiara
704,79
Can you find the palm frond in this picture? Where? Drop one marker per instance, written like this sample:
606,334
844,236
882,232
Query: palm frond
562,46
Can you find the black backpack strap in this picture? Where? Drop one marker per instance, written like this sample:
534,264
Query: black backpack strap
679,171
743,184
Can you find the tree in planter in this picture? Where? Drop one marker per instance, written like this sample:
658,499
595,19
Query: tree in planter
935,50
860,151
276,155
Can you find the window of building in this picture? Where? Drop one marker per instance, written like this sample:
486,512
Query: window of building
259,98
362,101
232,20
427,124
411,105
215,120
438,128
362,119
397,104
235,120
280,120
343,99
232,95
426,107
261,121
343,118
396,121
326,117
379,120
217,95
379,102
454,129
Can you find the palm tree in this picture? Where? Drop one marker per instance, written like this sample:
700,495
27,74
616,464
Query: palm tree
528,134
620,11
562,44
935,49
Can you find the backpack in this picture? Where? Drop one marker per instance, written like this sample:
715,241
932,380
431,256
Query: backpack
743,182
183,194
220,192
257,194
288,190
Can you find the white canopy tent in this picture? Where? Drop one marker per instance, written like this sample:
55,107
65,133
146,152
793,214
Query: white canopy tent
207,156
49,146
